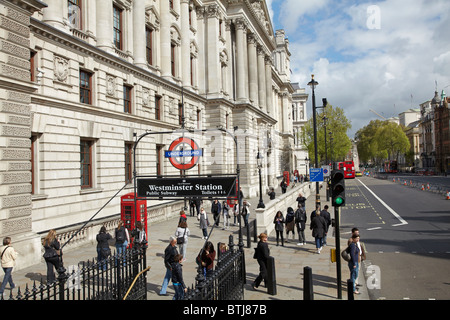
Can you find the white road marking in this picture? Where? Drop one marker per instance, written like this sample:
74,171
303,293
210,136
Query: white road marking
375,228
403,221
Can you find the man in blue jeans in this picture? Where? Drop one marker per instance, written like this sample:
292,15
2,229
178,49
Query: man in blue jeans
169,255
353,263
8,258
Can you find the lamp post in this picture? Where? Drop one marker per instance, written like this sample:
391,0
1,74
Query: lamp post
306,162
313,83
259,163
331,149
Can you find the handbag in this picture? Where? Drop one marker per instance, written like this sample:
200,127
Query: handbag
180,240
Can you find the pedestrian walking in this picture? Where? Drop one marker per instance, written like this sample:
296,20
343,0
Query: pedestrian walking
283,186
318,226
204,222
52,255
182,216
169,254
262,253
301,200
103,250
300,221
177,278
246,211
361,248
140,236
226,215
235,213
353,264
8,258
271,193
279,226
216,209
182,234
207,259
290,223
192,207
326,215
122,238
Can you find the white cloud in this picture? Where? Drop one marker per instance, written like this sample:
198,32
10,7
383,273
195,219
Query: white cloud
360,68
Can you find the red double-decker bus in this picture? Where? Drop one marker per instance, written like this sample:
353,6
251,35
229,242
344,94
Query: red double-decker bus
349,169
390,166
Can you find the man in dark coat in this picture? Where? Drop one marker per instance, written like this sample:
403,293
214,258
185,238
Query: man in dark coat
169,255
326,215
318,227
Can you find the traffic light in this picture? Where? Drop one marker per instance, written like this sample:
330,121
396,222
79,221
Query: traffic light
337,188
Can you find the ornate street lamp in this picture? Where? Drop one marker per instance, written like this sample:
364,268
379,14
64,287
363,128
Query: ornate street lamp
313,83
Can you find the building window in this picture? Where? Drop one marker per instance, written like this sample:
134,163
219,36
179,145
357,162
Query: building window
74,13
85,87
149,45
32,66
86,163
171,4
117,27
159,151
192,70
157,107
180,113
172,58
127,99
33,163
128,162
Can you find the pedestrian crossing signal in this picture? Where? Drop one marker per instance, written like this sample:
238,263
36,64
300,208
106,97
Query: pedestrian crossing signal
337,188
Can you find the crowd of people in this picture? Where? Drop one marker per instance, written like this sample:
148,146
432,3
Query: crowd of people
225,214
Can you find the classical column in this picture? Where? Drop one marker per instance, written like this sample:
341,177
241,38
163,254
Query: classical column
252,70
185,44
269,93
213,60
139,39
201,66
240,61
261,78
104,25
165,38
53,14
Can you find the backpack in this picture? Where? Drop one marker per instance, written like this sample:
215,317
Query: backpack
298,214
120,235
290,215
345,254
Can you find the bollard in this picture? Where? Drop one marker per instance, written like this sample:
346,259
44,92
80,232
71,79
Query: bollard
350,295
271,277
308,293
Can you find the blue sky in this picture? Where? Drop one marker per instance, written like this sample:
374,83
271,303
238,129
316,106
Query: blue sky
368,54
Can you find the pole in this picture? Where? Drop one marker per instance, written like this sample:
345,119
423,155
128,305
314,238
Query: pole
316,160
337,213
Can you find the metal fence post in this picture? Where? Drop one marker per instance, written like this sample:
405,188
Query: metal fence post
308,293
350,290
271,277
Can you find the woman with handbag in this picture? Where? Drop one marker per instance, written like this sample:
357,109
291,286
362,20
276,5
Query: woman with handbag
103,250
52,255
182,235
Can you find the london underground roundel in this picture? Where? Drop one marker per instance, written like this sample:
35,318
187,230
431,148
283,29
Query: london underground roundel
183,153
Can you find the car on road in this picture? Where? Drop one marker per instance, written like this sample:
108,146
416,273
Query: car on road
358,174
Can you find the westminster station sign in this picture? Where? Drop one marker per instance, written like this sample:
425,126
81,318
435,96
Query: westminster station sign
216,187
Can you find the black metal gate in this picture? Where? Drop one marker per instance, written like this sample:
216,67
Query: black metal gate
227,281
120,276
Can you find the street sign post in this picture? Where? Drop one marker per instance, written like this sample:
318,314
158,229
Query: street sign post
316,174
203,187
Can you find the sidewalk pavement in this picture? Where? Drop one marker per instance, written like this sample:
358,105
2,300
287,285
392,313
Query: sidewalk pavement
289,260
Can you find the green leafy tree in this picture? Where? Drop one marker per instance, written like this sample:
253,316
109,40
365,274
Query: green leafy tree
338,124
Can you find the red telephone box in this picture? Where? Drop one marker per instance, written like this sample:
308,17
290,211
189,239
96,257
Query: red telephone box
286,177
127,211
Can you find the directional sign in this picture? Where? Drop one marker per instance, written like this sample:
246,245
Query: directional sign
315,174
215,187
183,153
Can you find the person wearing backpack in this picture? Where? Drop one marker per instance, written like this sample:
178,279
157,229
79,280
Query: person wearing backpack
290,223
122,238
300,221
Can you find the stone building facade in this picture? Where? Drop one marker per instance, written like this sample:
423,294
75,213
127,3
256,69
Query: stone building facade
83,78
